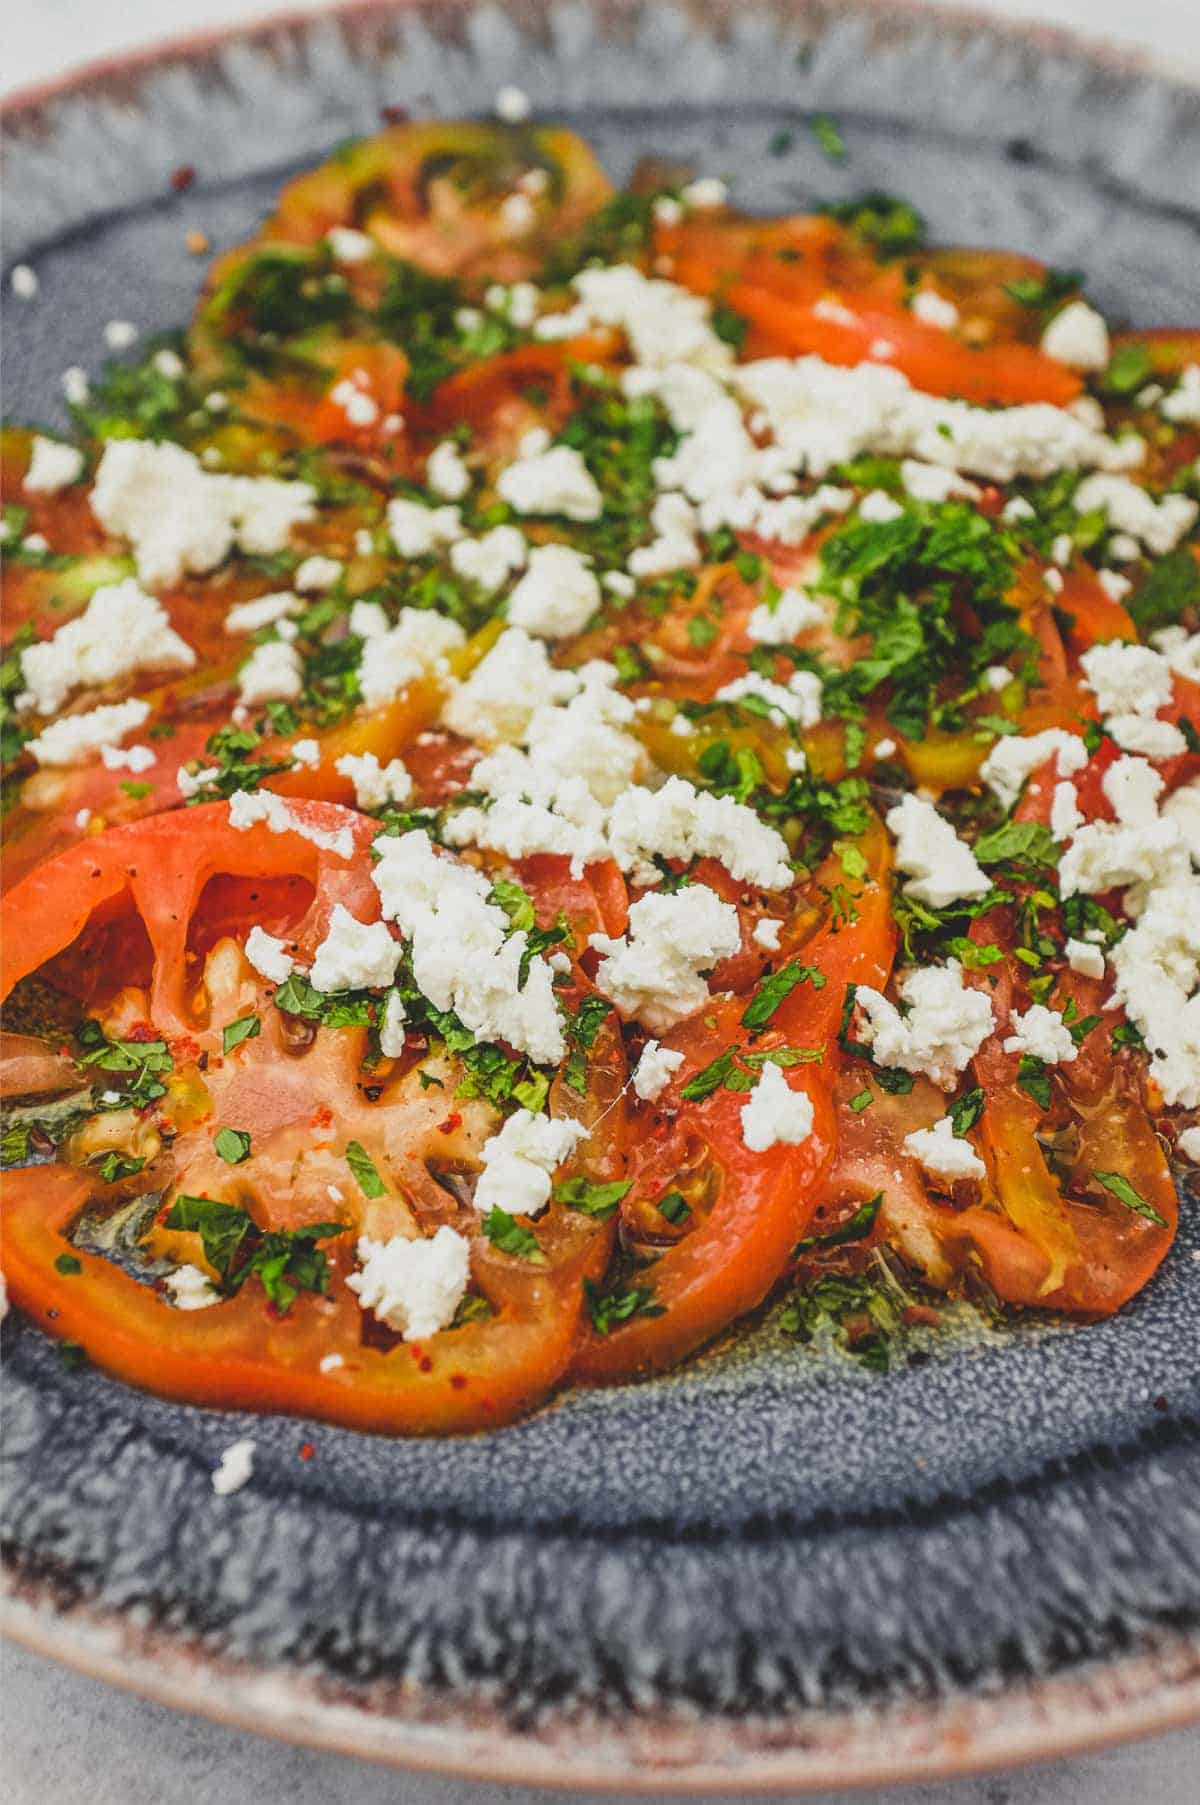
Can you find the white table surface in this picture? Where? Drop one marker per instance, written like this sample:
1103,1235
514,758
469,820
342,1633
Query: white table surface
71,1741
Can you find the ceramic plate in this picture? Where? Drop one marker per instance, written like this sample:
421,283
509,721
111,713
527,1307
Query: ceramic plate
763,1570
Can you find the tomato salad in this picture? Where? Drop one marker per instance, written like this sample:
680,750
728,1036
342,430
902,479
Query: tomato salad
576,761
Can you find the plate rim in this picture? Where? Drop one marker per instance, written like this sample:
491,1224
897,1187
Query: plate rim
1047,1718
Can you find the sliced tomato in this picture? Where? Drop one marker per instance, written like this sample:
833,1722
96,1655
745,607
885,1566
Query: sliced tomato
155,913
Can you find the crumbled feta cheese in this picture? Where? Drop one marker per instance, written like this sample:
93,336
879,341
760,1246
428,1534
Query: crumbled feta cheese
1013,759
190,783
1188,1144
75,385
793,613
932,482
122,630
464,955
414,1286
1077,336
654,1070
348,246
415,647
942,868
933,309
1133,787
680,822
375,785
1042,1034
248,809
1157,968
1127,679
558,594
654,973
878,507
128,758
306,752
392,1026
766,933
330,1363
52,466
354,955
191,1289
518,1163
1130,510
1182,405
798,700
1066,817
317,573
1114,584
518,216
120,334
667,210
1104,856
274,671
269,956
1018,509
77,738
705,193
446,471
667,327
24,282
512,105
368,620
774,1114
676,547
82,818
943,1153
35,542
180,517
235,1467
1152,739
263,611
1086,959
417,531
554,481
946,1024
491,559
497,700
360,408
1183,808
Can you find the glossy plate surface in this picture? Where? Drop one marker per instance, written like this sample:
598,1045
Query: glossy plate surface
762,1571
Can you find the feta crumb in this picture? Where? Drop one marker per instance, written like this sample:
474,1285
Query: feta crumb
417,531
263,611
77,738
360,408
884,748
1127,679
931,482
793,613
775,1114
499,697
518,216
235,1467
1114,584
52,466
1131,511
375,785
248,809
1077,336
1182,405
122,630
878,507
933,309
518,1163
354,955
1042,1034
1086,959
491,559
654,972
368,620
75,385
1188,1143
191,1289
512,105
120,334
1133,787
317,573
680,822
946,1024
553,481
391,1026
446,471
943,1153
24,282
348,246
766,933
705,193
654,1070
181,518
558,594
1012,760
128,758
329,1363
798,700
82,818
169,364
415,1287
1066,817
274,671
269,956
414,648
942,867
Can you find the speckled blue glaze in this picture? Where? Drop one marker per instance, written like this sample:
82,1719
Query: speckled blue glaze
759,1532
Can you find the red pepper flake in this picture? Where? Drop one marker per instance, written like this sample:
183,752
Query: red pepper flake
458,1381
306,1450
453,1121
182,178
426,1365
394,115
